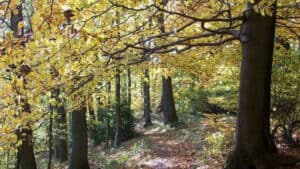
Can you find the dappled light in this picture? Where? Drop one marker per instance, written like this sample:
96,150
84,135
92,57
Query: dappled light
149,84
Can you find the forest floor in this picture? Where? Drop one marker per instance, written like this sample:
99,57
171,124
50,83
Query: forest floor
200,143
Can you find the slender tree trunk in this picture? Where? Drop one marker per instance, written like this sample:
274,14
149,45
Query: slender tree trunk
50,139
254,147
107,132
118,122
61,136
146,88
129,87
167,99
79,156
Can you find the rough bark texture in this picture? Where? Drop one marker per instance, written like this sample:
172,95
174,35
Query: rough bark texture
118,123
167,102
79,156
254,146
61,136
146,89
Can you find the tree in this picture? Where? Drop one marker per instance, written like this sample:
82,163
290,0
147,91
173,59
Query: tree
167,102
167,98
25,155
108,111
79,155
254,147
129,87
147,104
118,122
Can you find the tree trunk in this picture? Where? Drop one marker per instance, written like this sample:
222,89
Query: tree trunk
146,88
61,136
108,111
167,102
79,156
26,159
254,147
25,156
118,123
129,87
167,99
50,135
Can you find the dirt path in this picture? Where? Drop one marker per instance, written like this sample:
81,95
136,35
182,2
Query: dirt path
167,148
167,152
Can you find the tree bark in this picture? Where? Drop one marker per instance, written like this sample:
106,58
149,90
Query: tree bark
25,156
79,156
167,99
118,122
108,111
167,103
254,146
50,135
129,87
146,88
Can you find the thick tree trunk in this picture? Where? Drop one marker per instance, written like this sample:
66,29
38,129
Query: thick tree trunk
254,147
25,156
118,122
61,136
167,99
26,159
147,109
79,156
167,102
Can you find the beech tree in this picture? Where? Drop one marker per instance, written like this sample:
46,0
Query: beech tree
254,146
147,104
167,98
79,155
118,122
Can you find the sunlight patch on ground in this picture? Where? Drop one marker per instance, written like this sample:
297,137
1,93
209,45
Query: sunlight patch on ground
159,163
